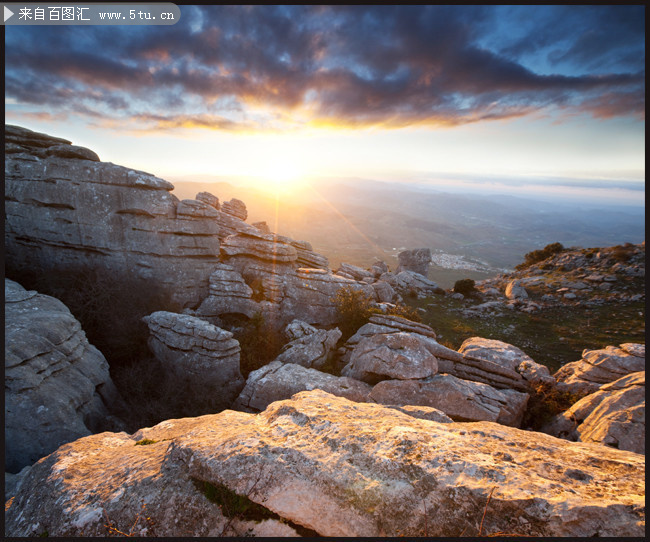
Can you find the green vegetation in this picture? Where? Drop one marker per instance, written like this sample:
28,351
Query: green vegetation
467,287
622,253
552,337
545,403
539,255
260,344
354,309
145,442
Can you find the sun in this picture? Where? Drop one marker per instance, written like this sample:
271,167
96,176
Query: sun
280,175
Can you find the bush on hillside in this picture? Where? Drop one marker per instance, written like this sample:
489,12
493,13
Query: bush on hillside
260,344
535,256
467,287
354,308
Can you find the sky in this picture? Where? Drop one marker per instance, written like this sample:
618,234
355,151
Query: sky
516,99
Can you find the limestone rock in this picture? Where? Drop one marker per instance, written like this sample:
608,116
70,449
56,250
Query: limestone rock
262,226
197,354
64,214
408,282
278,381
379,267
384,292
57,385
307,257
298,329
462,400
312,350
236,208
508,356
258,245
228,294
614,415
515,290
210,199
417,260
338,468
598,367
353,272
391,355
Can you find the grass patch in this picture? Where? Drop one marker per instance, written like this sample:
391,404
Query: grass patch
552,336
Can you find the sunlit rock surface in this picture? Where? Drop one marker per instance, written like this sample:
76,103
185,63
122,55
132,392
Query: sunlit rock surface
338,468
57,385
614,415
602,366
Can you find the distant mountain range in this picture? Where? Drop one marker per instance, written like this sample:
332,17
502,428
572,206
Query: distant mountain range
356,220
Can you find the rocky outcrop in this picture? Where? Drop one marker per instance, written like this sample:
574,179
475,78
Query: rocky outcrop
313,349
353,272
228,294
614,415
197,355
391,356
335,468
465,366
57,385
598,367
515,290
278,381
461,400
507,356
65,210
411,283
307,257
417,260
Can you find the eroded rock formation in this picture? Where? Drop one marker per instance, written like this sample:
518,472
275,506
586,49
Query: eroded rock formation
57,385
197,355
337,468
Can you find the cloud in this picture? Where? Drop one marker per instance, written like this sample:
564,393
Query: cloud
345,66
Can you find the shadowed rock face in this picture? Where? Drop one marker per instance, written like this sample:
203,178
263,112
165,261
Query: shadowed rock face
338,468
57,385
197,354
66,210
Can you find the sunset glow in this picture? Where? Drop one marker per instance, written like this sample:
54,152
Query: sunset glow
282,94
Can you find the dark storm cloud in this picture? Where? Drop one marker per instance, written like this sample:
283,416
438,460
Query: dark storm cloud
342,65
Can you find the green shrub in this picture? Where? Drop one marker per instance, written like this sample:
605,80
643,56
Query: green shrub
622,253
540,255
405,312
545,402
260,344
354,308
467,287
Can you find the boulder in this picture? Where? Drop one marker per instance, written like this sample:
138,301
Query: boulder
331,467
602,366
298,329
210,199
462,400
417,260
278,381
236,208
614,415
353,272
66,212
312,350
514,290
57,385
197,354
390,356
228,294
508,356
307,257
410,282
384,292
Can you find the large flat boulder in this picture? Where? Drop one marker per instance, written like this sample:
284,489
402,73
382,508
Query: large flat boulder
334,467
57,385
461,400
